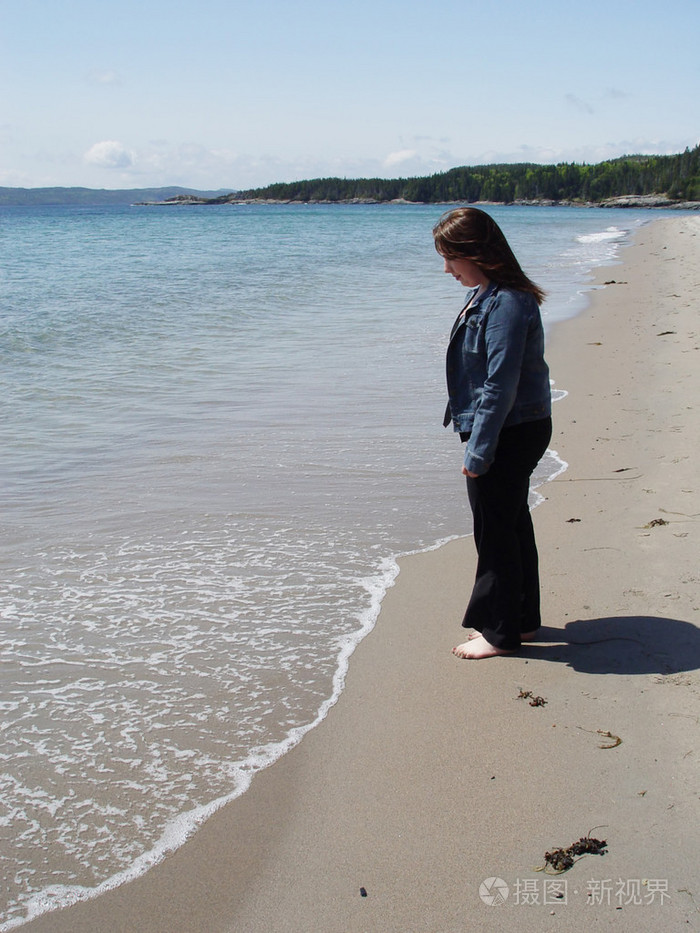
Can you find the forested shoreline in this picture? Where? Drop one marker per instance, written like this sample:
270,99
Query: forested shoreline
673,177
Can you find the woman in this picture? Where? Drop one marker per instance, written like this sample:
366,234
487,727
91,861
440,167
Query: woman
500,403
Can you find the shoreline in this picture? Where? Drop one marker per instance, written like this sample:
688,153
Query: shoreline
380,794
633,202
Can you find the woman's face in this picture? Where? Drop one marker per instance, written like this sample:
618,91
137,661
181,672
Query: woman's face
466,272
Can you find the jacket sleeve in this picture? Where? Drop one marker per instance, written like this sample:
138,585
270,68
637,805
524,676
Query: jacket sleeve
505,337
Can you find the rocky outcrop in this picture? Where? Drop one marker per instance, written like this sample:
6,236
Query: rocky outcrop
650,200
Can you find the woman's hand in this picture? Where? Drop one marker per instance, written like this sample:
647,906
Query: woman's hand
468,473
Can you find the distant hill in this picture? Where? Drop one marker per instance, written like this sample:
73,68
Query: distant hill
95,197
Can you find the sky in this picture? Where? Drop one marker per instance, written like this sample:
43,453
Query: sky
235,94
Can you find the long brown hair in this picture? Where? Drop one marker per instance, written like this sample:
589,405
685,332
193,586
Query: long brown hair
469,233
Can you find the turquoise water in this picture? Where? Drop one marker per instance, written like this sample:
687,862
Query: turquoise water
220,427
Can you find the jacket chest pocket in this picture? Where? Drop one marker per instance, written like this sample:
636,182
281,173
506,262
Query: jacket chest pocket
474,334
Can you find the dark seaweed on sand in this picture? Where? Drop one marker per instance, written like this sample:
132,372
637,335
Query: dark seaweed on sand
562,859
534,701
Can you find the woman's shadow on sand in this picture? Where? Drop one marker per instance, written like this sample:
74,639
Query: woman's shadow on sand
621,645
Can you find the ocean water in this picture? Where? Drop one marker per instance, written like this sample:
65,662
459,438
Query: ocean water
220,427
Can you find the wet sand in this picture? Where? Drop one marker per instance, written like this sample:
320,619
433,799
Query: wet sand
433,775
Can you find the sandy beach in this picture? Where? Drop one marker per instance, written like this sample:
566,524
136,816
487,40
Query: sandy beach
433,776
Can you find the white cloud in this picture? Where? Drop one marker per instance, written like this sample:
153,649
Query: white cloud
614,93
105,76
578,104
7,133
109,154
16,179
396,158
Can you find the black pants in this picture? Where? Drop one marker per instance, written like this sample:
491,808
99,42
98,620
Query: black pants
505,600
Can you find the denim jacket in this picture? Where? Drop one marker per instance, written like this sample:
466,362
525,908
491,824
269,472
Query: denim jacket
496,372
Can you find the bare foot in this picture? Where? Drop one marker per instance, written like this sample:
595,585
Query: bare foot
524,636
474,648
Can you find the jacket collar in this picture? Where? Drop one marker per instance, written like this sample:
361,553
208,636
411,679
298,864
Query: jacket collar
487,292
462,317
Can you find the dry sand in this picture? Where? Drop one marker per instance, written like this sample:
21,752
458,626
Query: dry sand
431,775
